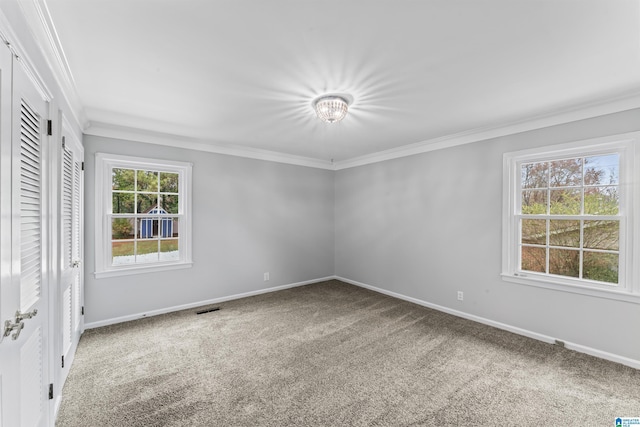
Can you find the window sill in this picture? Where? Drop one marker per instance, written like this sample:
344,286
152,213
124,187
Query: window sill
140,269
549,283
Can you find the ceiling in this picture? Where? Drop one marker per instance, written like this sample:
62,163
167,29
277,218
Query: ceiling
239,73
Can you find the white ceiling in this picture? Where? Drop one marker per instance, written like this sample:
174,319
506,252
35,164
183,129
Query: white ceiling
240,73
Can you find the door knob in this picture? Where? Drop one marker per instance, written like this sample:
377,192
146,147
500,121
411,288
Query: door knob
17,325
28,315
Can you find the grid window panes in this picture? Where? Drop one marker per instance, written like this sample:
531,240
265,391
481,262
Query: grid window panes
568,217
145,216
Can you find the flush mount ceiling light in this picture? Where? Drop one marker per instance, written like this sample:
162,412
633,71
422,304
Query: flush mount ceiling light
331,108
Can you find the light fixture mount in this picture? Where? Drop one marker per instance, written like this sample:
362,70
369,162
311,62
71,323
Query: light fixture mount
331,108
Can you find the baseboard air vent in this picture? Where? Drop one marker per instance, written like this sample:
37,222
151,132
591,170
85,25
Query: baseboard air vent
208,310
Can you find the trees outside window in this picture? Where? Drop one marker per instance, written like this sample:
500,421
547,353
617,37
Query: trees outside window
568,216
144,214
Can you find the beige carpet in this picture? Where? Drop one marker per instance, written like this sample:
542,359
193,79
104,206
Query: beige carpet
332,354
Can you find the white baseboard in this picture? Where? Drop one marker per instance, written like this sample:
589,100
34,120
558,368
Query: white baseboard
540,337
136,316
56,405
527,333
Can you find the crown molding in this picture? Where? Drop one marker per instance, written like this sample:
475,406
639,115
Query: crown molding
585,111
120,132
40,23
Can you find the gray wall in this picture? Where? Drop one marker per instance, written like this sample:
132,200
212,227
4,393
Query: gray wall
429,225
249,217
423,226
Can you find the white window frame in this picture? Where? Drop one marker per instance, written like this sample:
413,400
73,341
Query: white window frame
103,212
628,288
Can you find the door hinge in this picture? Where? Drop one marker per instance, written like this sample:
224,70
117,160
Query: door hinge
82,310
82,166
64,143
49,127
63,361
50,391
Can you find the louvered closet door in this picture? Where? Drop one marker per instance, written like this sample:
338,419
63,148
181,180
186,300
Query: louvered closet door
24,381
71,285
9,295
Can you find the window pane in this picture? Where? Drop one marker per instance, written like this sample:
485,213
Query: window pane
175,228
122,228
147,227
170,203
534,231
601,200
123,202
146,202
123,253
533,259
600,266
147,251
123,179
602,235
564,233
602,170
534,202
168,227
565,202
168,182
565,173
535,175
564,262
147,181
169,250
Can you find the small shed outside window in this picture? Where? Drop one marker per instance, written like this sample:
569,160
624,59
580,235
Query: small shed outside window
149,226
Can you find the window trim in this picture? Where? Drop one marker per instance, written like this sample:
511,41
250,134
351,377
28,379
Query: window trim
625,144
104,163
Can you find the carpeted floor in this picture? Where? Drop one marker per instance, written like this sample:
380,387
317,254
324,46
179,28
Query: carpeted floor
332,354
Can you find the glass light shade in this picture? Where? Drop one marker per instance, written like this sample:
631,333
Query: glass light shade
331,109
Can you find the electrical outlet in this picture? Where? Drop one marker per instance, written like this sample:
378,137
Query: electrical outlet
460,295
266,276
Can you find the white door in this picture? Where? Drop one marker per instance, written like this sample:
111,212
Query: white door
23,290
71,286
9,295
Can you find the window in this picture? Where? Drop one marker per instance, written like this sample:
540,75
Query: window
143,218
568,217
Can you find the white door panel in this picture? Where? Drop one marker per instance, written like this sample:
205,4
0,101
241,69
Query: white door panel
1,417
24,280
32,405
70,288
9,297
77,242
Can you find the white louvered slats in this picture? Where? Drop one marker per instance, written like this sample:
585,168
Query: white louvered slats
30,206
76,240
77,189
67,208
